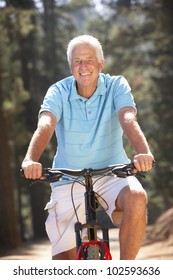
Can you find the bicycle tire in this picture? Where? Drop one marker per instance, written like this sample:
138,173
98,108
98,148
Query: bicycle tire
93,252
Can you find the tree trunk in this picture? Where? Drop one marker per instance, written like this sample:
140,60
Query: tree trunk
9,229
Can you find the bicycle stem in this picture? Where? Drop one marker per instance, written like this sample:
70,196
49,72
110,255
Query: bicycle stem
90,204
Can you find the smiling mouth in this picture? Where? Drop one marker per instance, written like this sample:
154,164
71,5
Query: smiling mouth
85,74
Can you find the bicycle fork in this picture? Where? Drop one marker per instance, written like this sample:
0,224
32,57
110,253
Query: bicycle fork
92,248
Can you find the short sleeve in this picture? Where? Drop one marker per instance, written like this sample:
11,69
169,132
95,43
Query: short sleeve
53,102
122,94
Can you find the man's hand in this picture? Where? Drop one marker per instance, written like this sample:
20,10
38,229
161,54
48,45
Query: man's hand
32,169
143,162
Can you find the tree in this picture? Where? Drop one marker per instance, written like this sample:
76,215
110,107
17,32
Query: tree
137,39
9,230
35,44
162,78
15,25
34,41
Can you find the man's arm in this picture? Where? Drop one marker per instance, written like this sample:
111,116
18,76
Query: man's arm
41,137
143,160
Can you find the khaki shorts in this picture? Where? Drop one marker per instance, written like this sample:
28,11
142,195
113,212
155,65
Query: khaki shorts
61,218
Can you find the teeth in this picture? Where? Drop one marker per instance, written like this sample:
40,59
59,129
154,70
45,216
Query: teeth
85,74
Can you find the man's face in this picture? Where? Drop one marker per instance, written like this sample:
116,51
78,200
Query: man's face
85,66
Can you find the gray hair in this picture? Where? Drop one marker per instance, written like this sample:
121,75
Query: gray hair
88,40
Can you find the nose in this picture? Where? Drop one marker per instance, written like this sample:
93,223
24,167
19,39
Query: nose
83,63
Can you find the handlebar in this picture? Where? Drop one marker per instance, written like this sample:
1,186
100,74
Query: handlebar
55,174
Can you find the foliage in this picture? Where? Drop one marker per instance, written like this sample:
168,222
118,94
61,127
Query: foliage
133,47
137,39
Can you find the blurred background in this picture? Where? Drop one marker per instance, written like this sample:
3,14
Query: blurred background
137,39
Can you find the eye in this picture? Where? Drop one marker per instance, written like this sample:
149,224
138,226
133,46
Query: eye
77,61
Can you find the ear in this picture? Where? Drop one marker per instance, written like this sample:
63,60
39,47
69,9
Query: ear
70,69
102,64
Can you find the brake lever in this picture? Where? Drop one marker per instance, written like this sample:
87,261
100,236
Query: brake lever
130,167
122,172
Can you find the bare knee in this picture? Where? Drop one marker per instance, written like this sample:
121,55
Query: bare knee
134,200
138,199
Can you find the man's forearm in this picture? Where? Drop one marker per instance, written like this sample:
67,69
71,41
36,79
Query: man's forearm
131,128
137,139
36,147
41,137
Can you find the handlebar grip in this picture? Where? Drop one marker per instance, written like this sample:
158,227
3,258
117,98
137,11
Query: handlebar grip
133,166
44,172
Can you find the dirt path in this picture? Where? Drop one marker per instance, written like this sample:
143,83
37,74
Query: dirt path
41,250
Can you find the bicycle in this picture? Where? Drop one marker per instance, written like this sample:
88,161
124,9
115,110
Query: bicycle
92,248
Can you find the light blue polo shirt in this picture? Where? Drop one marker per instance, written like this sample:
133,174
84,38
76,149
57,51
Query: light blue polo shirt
88,131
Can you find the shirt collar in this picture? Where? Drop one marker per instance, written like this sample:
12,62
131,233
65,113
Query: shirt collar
101,89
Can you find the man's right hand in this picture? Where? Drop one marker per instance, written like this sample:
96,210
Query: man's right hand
32,169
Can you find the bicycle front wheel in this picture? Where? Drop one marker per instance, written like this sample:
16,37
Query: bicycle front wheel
93,252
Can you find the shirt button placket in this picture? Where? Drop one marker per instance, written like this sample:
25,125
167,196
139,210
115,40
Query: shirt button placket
89,112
